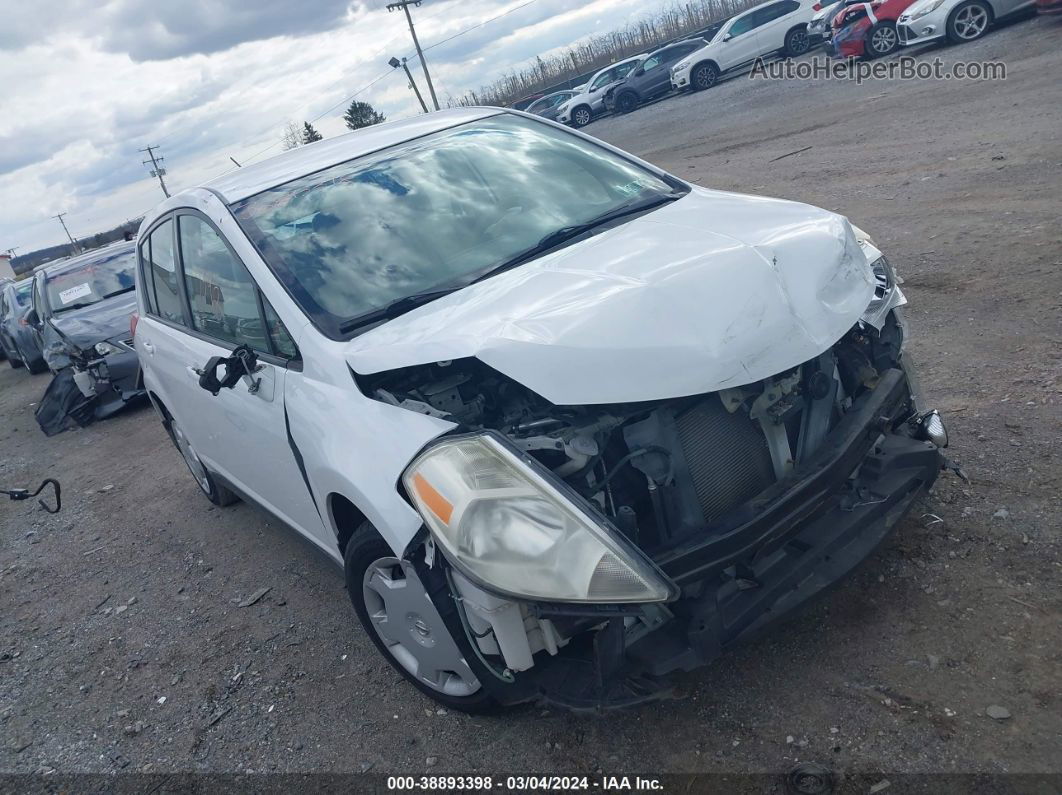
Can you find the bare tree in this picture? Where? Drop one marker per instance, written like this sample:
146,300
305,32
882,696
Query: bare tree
292,135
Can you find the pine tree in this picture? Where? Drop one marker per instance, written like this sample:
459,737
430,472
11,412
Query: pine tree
361,114
309,134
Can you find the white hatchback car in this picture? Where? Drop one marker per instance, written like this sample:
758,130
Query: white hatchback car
780,26
569,423
956,20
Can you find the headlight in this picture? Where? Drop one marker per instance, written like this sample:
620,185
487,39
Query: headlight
929,9
680,66
504,524
564,107
105,348
884,283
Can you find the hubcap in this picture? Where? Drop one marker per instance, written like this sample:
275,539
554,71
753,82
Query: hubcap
884,40
705,77
195,466
582,117
407,622
971,22
799,42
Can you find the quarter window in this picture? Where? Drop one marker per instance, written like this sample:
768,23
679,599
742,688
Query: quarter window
160,271
283,344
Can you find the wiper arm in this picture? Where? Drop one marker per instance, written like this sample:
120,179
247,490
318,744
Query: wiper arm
395,308
118,292
566,233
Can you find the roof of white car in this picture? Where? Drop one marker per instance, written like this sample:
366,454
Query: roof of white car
247,181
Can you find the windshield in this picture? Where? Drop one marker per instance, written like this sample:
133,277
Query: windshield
91,281
434,212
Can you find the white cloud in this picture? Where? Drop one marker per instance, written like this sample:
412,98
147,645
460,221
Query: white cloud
85,84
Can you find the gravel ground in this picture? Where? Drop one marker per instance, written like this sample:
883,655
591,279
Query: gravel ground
122,646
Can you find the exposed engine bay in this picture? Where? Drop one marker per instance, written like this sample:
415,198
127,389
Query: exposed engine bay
669,475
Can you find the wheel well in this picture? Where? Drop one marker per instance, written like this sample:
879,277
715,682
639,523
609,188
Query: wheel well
985,3
346,517
582,105
699,64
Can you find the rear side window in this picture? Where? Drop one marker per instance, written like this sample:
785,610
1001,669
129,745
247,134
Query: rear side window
221,293
161,273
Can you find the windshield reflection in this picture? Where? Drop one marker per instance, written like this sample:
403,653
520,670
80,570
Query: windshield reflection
434,212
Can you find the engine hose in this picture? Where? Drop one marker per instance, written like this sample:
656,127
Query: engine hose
631,455
505,675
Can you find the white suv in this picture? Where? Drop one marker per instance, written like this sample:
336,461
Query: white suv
778,26
569,423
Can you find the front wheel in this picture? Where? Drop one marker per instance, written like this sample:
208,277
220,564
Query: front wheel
704,76
214,491
581,116
626,102
403,622
797,42
968,22
882,40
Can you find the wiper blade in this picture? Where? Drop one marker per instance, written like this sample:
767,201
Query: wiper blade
397,307
119,292
566,233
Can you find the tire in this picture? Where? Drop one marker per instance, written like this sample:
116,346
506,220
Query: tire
703,76
882,40
35,366
214,491
797,42
420,637
626,102
968,22
14,358
582,116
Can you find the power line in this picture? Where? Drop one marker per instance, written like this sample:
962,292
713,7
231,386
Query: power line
156,169
479,25
404,5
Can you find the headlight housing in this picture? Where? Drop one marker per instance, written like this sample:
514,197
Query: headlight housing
680,66
929,9
564,107
106,348
506,525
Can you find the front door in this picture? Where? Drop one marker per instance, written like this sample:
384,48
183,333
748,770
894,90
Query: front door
241,433
740,43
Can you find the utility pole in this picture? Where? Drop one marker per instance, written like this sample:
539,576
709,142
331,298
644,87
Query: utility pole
395,63
77,248
156,169
233,159
12,251
404,5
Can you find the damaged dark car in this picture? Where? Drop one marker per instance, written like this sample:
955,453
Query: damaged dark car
81,317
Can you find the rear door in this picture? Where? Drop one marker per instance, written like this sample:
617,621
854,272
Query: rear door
207,304
773,22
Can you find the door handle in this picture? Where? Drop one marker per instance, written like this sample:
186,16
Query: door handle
148,347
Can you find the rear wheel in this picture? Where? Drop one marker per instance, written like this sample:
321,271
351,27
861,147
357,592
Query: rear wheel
404,623
581,116
882,40
968,22
797,42
214,491
704,75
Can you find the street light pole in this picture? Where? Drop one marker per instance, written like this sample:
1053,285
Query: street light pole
395,63
404,5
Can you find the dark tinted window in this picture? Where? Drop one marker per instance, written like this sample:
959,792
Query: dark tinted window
743,25
163,273
221,293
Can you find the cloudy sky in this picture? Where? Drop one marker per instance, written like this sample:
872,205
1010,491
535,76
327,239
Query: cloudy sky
84,84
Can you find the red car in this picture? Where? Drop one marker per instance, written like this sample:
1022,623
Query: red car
1049,6
866,29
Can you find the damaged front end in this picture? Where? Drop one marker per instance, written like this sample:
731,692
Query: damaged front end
593,550
91,382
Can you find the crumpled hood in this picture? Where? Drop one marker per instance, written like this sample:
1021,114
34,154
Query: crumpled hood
712,291
103,320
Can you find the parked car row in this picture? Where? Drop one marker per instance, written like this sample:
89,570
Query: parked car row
787,28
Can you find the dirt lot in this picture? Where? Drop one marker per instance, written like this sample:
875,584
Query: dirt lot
122,646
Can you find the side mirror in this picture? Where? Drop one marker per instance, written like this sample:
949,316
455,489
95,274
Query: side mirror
638,72
727,37
33,319
243,362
